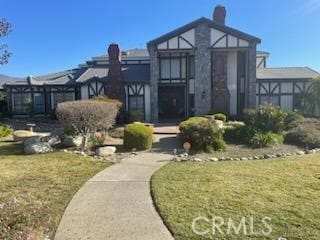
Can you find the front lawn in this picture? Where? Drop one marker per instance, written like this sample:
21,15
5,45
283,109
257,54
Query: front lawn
35,189
285,190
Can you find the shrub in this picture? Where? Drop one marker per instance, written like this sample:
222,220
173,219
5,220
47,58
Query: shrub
267,118
134,116
237,134
5,130
204,135
70,131
104,98
269,139
87,116
306,134
138,136
97,140
292,120
220,116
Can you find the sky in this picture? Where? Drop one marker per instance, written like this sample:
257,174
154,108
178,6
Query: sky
50,36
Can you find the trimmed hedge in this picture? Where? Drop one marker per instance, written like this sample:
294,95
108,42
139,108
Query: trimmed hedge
220,116
137,136
202,134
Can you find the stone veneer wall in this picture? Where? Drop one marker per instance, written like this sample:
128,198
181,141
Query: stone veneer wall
202,70
154,76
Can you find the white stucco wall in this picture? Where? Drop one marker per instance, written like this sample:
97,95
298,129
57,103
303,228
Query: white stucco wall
84,92
232,81
147,102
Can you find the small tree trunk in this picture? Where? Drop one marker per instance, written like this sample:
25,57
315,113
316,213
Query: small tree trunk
85,141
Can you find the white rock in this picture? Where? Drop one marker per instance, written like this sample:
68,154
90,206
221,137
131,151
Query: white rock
106,151
37,148
213,159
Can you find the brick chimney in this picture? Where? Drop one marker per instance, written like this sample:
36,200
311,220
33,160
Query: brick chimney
114,87
219,14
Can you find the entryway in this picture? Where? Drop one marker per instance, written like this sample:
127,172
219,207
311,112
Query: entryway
171,102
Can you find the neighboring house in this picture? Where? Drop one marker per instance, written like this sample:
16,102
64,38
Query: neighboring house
204,66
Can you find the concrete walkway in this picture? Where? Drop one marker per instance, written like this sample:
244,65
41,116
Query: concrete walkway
116,204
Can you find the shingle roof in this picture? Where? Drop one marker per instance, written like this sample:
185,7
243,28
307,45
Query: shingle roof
136,73
92,72
210,23
4,79
286,73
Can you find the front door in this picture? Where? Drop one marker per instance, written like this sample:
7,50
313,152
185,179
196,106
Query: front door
171,102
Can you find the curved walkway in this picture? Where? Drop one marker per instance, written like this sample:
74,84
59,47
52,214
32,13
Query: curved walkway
116,204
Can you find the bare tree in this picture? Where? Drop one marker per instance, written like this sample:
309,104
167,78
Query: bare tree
87,116
5,29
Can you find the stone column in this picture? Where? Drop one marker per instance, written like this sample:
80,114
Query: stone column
202,70
154,77
252,74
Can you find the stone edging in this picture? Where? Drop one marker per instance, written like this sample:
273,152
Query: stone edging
186,158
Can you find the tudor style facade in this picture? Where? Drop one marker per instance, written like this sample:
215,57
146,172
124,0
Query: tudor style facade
202,67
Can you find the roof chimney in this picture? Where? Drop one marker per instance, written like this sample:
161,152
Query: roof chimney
219,14
114,87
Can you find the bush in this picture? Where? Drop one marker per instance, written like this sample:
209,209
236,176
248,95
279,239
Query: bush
87,116
5,130
236,134
292,120
267,118
306,134
134,116
138,136
202,134
220,116
269,139
97,140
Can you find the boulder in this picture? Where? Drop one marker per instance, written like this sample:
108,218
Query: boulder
21,135
72,141
58,132
37,148
105,151
31,141
52,140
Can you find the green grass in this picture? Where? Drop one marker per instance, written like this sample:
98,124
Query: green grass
42,185
286,190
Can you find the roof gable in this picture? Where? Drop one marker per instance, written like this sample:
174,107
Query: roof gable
211,24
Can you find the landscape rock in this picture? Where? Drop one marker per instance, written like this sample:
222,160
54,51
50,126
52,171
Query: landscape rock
213,159
52,140
300,153
37,148
244,159
197,159
58,132
106,151
31,141
21,135
72,141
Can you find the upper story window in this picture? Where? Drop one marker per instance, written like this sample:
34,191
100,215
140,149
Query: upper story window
173,68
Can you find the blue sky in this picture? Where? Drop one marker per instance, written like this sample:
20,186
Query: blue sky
50,36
